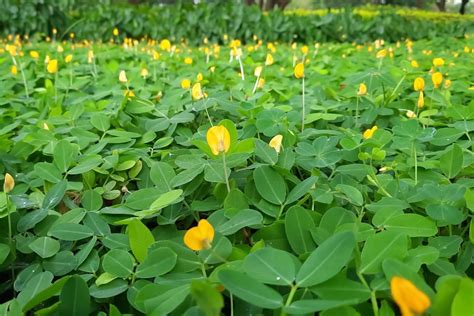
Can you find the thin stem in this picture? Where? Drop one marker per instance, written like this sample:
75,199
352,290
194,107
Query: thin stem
225,172
289,299
10,242
241,68
416,163
357,112
56,87
255,85
302,104
24,80
231,305
281,211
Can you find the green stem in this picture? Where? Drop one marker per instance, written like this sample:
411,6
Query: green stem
281,211
225,173
357,112
302,104
290,298
10,242
373,297
416,163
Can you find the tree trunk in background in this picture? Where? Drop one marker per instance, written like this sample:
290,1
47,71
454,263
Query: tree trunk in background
249,2
419,4
441,5
462,9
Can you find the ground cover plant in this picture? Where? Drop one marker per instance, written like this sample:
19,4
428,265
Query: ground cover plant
151,177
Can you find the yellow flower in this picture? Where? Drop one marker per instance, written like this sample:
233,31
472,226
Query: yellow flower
123,76
199,237
447,84
258,71
52,66
421,100
218,139
60,49
68,58
72,35
381,53
34,54
144,72
165,45
437,78
362,89
304,50
269,60
370,132
199,77
419,84
128,93
411,114
438,62
185,84
408,297
14,70
299,70
156,55
197,92
55,31
9,183
275,142
188,60
261,83
212,69
414,64
115,32
90,56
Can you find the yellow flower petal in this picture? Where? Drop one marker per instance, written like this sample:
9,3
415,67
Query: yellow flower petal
218,139
408,297
419,84
299,70
275,142
199,237
52,66
9,183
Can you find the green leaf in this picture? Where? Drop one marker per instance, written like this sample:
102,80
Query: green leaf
48,172
64,155
45,247
4,252
214,172
327,260
100,121
142,199
249,289
452,161
35,285
446,289
265,152
243,218
70,231
118,262
353,195
161,202
461,305
54,195
413,225
140,239
91,200
74,298
298,225
158,262
300,190
271,266
207,297
315,305
445,214
270,185
46,294
109,290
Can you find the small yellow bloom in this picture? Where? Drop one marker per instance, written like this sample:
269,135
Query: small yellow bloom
275,142
438,62
188,60
68,58
144,72
421,100
156,55
305,49
408,297
381,53
197,92
72,35
128,93
414,64
261,83
52,66
123,76
55,31
269,60
410,114
212,69
60,49
437,78
419,84
115,32
45,126
299,70
165,44
258,71
34,54
14,70
362,89
185,84
447,84
370,132
9,183
90,56
199,237
218,139
199,77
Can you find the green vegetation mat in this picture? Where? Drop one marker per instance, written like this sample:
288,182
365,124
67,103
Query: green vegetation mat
157,178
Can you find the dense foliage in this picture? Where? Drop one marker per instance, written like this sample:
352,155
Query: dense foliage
195,22
109,159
